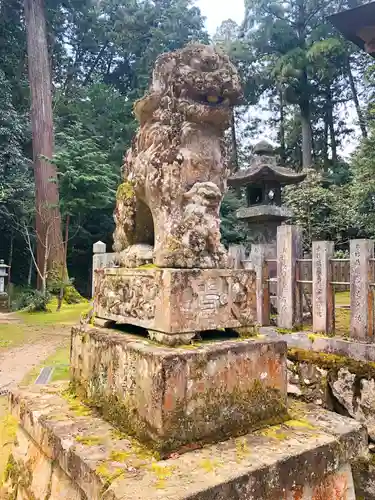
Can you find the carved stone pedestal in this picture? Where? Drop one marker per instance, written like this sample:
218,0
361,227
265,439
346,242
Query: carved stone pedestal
176,396
174,304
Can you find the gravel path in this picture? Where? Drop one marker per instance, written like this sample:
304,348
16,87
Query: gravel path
16,362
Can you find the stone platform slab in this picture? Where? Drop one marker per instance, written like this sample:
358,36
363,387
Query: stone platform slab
63,451
176,301
360,351
174,396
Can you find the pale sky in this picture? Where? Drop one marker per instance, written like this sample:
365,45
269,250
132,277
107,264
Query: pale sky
217,11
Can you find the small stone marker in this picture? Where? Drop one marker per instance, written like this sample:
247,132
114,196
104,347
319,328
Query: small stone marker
322,292
361,293
45,375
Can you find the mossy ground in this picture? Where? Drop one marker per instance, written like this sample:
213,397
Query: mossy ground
30,327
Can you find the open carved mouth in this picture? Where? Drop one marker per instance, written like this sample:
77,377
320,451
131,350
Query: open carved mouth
211,99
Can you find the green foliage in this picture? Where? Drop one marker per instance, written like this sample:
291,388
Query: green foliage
325,213
86,179
31,301
232,230
364,184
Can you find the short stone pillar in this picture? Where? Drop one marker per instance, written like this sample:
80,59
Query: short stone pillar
289,292
323,305
260,266
100,259
361,293
4,286
236,254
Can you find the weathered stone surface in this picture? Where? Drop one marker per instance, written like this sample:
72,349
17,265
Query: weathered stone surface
364,477
309,382
175,173
289,249
176,396
322,290
356,394
63,488
176,301
32,475
361,294
305,458
359,351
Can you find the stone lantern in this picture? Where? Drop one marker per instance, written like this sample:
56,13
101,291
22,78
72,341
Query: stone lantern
263,181
358,26
4,285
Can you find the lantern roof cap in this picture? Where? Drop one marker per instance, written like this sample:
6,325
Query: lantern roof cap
356,24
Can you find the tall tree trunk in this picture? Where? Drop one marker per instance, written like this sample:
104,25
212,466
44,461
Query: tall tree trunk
64,273
234,143
282,129
306,135
361,118
325,143
48,217
304,106
330,123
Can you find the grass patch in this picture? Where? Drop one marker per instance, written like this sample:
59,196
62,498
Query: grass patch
342,322
58,358
12,335
32,326
8,428
68,315
342,298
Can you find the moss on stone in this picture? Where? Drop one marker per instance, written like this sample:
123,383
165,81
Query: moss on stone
148,266
90,440
299,424
287,331
76,405
162,473
333,362
19,475
313,336
274,432
108,474
120,456
125,191
247,332
210,465
242,449
257,407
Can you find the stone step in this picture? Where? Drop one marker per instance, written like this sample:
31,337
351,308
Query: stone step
62,446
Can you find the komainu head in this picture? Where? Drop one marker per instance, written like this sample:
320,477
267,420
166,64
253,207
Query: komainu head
198,80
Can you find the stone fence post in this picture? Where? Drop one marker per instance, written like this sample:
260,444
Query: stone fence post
100,260
361,293
237,255
323,305
289,292
260,266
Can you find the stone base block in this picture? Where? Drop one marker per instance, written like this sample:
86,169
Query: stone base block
172,397
63,451
176,301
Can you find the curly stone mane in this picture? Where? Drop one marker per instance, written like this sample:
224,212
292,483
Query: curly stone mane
175,173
